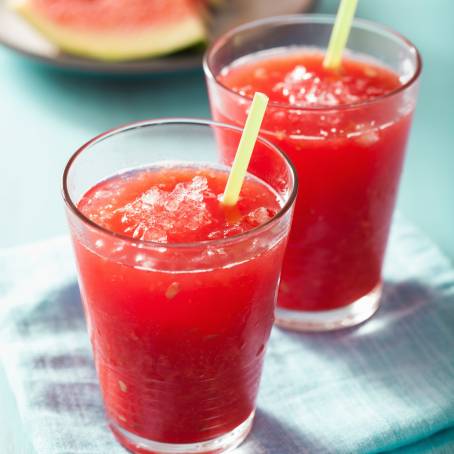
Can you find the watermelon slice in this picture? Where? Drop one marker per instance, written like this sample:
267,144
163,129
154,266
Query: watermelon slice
117,29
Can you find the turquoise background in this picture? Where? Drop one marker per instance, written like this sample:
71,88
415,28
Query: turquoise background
46,114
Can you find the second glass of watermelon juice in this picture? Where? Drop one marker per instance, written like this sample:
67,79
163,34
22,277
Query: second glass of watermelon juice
345,131
178,292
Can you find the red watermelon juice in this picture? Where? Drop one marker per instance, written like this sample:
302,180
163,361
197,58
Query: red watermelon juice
179,295
345,134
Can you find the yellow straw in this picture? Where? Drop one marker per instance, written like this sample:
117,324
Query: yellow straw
339,35
245,148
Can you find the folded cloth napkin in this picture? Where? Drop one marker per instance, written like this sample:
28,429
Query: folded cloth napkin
385,385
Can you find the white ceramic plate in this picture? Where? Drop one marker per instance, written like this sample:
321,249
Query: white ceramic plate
16,34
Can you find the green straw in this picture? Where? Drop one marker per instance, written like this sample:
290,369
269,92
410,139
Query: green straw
339,35
245,149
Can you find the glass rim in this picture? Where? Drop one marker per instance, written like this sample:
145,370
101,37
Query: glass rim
316,19
168,121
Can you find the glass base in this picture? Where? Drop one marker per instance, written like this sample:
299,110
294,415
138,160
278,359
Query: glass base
224,443
344,317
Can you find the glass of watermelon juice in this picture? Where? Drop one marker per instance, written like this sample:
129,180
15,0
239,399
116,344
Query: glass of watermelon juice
345,132
178,291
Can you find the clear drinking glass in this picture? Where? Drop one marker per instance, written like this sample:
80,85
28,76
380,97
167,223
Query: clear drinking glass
178,330
348,158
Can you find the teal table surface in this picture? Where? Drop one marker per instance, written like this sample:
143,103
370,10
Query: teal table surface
46,114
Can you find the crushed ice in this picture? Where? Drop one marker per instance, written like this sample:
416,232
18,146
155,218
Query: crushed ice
157,211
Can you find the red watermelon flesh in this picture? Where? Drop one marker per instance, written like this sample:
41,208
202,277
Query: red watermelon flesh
117,29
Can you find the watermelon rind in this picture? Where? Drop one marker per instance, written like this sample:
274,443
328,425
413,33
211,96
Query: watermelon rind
148,42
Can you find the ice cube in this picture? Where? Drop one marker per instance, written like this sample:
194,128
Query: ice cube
259,216
152,196
157,212
298,74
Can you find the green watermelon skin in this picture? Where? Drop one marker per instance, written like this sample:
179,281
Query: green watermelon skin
117,30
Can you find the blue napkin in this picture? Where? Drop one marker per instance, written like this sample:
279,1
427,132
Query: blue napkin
387,385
